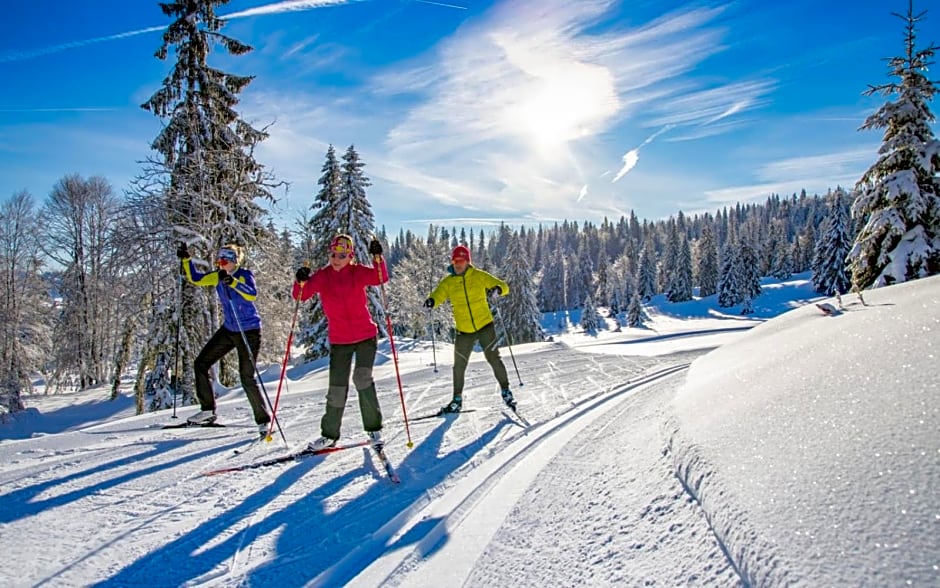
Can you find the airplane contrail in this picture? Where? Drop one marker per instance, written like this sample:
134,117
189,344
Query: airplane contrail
441,4
273,8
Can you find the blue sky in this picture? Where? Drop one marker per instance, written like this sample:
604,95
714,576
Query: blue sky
468,112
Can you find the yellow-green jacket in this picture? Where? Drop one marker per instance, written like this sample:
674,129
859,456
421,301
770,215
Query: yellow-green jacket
467,295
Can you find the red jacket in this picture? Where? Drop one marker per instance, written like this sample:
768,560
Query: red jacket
343,295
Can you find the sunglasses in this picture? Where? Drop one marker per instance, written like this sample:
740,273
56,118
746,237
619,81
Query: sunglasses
227,255
339,255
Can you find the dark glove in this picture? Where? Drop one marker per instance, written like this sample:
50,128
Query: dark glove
303,274
429,303
498,290
225,278
182,251
375,248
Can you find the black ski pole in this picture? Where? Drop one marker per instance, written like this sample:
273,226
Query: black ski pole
431,326
499,315
175,381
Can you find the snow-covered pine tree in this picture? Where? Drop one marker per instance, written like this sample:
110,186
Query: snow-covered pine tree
325,224
898,198
707,262
646,278
359,222
729,291
680,284
747,268
551,282
519,310
423,266
591,321
635,314
207,152
24,321
780,263
829,270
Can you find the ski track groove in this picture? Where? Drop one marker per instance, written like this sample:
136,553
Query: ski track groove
492,487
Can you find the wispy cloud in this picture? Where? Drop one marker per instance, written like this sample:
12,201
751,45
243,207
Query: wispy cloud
526,93
816,174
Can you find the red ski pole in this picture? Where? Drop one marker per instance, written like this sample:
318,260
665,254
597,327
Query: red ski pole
290,339
391,340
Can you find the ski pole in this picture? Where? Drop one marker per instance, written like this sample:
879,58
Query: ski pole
175,380
251,358
433,344
391,340
290,339
499,315
431,326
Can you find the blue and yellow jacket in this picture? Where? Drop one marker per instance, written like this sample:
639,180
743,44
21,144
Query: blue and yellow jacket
245,314
467,295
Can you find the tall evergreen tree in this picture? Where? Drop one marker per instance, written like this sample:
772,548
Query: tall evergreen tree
591,321
729,291
646,279
519,310
680,284
898,198
207,152
707,263
635,314
829,269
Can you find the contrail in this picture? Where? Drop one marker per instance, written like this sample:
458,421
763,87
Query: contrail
441,4
274,8
631,157
28,54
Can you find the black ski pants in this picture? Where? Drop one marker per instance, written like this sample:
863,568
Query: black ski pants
215,348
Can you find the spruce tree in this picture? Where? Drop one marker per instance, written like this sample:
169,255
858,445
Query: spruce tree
635,314
707,263
829,269
207,152
519,310
729,292
591,321
898,198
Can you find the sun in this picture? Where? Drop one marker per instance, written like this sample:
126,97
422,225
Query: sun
572,102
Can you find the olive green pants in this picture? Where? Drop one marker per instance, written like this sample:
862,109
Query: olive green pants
341,358
463,346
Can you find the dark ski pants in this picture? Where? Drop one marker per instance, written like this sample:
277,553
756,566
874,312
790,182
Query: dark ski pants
463,346
215,348
341,357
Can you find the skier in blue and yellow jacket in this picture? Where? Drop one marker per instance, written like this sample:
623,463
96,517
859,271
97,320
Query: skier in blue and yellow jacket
236,289
466,287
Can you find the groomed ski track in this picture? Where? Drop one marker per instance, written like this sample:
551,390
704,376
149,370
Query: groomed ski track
489,492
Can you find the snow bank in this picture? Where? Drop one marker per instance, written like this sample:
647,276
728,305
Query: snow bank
815,456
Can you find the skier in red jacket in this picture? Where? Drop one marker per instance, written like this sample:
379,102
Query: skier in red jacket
342,285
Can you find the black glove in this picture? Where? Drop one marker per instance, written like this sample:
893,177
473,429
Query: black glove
498,290
375,248
225,278
303,274
429,303
182,251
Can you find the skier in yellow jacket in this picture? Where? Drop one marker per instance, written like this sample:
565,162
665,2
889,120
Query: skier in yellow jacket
466,287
